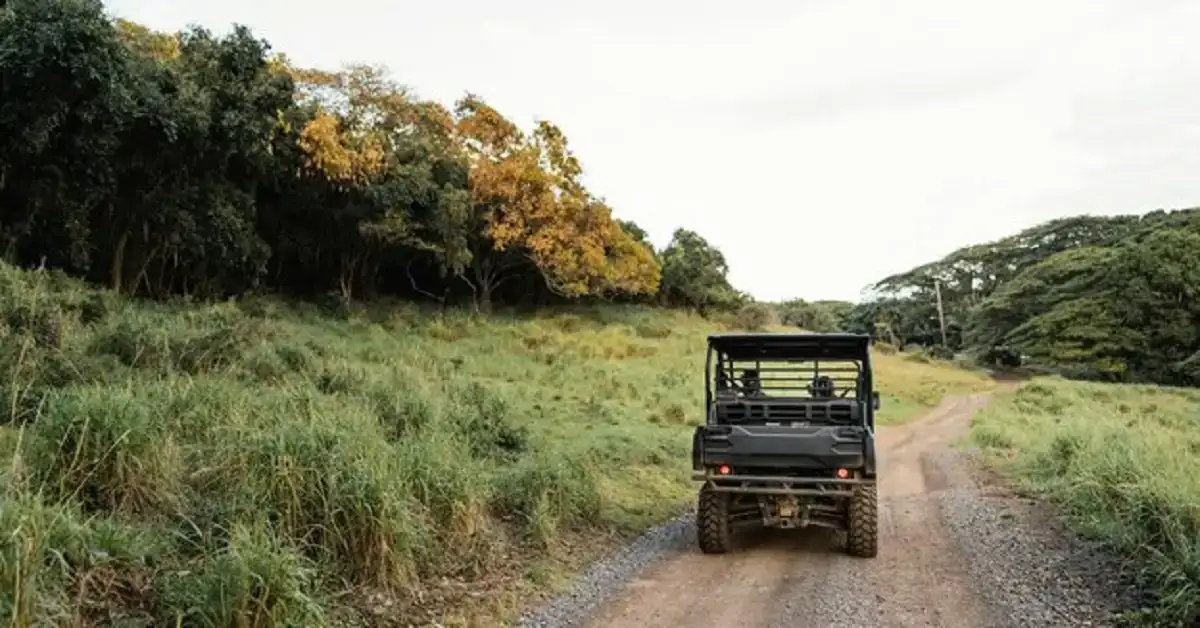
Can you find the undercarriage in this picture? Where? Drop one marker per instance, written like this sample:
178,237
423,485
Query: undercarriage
731,502
780,501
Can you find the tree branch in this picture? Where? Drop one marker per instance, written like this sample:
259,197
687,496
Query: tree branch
412,280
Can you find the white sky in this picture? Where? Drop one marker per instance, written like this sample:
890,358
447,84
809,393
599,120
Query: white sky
821,144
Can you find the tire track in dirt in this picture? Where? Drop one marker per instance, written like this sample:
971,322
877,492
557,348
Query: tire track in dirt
801,578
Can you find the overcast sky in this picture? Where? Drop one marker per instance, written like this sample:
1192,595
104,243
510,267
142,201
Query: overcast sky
821,144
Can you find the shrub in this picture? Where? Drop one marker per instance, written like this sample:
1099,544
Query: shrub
940,352
108,448
484,420
547,492
754,316
255,580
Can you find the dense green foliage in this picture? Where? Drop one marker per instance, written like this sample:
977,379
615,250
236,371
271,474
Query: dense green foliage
195,164
819,316
694,273
1111,298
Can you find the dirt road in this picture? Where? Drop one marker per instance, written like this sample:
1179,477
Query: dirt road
801,578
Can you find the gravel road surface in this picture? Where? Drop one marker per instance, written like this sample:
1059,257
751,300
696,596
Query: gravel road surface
955,551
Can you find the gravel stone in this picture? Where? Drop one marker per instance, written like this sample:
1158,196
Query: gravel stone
1026,566
1026,569
604,580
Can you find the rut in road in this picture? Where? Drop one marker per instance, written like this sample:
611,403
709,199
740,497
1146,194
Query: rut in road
801,578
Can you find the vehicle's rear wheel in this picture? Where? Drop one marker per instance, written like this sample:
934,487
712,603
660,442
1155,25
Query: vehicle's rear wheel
862,525
714,532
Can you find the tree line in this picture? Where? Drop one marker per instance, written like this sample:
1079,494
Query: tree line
188,163
1112,298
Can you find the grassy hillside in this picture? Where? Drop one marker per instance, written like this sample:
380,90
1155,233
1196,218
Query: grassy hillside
264,464
1122,460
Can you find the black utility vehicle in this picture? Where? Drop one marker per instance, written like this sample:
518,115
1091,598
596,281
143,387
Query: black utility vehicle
790,438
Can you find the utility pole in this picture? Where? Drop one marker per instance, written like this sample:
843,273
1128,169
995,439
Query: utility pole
937,288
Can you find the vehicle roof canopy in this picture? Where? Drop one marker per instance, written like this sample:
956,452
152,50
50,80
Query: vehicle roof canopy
783,346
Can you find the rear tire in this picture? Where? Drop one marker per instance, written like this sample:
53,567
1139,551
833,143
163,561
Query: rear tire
862,525
714,533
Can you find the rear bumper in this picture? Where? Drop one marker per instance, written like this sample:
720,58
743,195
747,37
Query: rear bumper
814,486
781,485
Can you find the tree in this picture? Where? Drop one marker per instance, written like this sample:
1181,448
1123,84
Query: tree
694,274
146,43
971,274
530,208
636,232
1041,288
64,96
389,174
819,316
194,154
1124,312
898,320
1155,290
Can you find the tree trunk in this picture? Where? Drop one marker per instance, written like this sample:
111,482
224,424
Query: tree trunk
143,274
483,299
483,285
371,263
350,268
490,272
117,272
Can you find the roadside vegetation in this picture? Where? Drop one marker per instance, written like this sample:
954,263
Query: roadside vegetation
1121,461
263,463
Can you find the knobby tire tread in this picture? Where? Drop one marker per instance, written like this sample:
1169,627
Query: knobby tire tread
862,535
713,530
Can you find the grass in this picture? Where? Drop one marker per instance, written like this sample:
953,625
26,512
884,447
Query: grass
264,464
1122,462
910,385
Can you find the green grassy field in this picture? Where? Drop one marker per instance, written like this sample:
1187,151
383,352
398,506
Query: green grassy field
1122,461
258,464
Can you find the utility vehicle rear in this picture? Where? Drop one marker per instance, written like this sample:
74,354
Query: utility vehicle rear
789,440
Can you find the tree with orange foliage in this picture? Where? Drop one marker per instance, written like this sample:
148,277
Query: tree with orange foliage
530,207
390,159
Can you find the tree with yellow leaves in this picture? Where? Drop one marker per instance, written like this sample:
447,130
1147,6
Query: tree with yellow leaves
530,207
387,157
152,44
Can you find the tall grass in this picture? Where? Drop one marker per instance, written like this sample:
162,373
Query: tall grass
265,464
1122,460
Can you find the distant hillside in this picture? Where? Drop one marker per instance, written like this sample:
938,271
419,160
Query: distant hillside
1113,298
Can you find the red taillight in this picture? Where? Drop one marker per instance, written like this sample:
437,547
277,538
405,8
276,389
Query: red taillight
843,473
723,469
